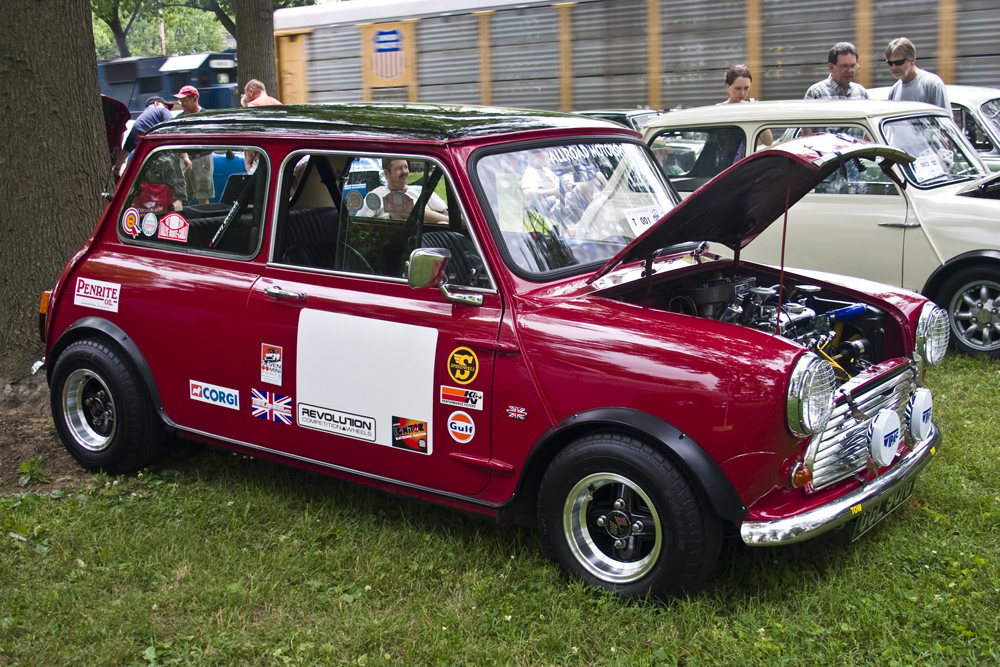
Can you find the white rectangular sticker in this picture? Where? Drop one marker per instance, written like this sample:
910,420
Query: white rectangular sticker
462,398
333,421
642,218
214,394
926,167
97,294
270,363
362,368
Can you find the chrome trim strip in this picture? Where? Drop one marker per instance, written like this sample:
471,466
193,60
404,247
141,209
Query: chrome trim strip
350,471
838,512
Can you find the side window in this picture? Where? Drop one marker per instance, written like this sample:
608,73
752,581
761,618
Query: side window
857,177
693,157
366,214
196,199
974,132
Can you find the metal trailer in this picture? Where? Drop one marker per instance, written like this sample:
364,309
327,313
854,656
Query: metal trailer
133,80
611,53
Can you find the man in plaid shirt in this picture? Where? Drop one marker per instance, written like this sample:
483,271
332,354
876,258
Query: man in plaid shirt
843,63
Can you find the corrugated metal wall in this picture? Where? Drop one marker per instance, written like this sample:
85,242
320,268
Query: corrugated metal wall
699,41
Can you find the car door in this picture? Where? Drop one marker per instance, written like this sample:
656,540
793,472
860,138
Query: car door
348,366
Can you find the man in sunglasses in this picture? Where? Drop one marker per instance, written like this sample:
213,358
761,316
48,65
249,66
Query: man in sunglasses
843,63
913,84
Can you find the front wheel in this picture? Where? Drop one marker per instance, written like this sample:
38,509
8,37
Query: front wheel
101,409
972,299
616,512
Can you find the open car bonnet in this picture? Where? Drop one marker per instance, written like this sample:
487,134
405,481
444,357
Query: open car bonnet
745,199
984,187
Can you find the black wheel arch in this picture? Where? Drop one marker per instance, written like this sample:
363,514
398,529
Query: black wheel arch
972,258
701,469
92,326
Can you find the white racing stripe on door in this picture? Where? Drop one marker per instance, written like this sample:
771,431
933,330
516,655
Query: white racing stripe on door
355,375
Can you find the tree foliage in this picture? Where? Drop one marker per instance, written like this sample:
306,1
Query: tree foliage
186,30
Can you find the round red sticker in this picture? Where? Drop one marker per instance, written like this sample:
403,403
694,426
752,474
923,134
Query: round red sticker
461,427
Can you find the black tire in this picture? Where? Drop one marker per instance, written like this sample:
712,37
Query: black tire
972,298
670,553
102,410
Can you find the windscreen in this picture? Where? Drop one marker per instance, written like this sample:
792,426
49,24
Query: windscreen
942,154
561,206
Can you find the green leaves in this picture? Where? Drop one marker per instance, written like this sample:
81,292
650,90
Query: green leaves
32,471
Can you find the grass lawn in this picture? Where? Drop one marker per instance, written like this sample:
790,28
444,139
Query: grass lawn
226,560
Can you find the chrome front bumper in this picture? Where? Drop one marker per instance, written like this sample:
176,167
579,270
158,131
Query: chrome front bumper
846,508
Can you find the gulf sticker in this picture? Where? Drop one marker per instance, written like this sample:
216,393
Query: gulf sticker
130,222
173,227
462,398
461,427
463,365
409,434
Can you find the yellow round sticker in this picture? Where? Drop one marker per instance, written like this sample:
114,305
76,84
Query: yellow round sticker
463,365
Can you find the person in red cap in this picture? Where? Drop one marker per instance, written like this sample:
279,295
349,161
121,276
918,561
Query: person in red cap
198,168
257,96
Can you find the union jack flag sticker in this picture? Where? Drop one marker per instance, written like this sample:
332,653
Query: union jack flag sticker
515,412
269,405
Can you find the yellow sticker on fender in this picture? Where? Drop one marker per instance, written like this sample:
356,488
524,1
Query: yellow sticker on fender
463,365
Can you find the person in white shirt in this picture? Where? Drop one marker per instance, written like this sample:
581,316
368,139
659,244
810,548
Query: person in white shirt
396,198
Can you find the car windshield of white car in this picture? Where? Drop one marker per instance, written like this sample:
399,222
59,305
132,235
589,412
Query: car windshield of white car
555,207
942,154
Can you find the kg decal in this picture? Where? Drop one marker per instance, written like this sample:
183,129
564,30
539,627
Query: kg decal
214,394
462,398
409,434
463,365
461,428
334,421
270,406
97,294
130,222
270,363
173,227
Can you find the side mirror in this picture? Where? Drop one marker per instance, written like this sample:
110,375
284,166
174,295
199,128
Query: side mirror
427,267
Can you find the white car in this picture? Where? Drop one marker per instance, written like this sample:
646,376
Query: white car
932,226
976,111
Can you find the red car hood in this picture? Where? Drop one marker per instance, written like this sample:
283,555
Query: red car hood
745,199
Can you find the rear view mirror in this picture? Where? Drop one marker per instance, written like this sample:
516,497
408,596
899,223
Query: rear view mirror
427,267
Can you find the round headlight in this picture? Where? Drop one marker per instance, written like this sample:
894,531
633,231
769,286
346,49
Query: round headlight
933,330
810,395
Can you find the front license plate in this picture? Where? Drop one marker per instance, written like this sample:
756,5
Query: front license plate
872,513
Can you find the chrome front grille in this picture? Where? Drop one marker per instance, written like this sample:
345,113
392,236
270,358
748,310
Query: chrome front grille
842,450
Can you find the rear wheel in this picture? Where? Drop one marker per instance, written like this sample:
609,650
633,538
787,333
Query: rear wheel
102,410
616,512
972,299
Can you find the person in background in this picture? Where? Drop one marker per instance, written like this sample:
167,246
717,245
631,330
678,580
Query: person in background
738,82
843,63
912,83
157,111
199,168
257,95
396,198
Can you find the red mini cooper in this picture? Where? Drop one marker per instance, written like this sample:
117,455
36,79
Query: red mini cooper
506,312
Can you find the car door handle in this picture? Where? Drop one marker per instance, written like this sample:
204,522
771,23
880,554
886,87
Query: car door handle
899,224
279,293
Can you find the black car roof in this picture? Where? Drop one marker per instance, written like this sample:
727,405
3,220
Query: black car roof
404,121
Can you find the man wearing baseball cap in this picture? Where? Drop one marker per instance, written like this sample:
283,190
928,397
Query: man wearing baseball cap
157,111
199,169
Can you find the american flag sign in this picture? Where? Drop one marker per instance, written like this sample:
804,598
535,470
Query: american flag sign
272,406
388,57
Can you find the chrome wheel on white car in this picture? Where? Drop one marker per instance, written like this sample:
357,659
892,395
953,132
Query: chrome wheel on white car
972,298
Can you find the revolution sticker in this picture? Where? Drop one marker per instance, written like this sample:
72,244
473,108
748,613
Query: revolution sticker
462,398
463,365
130,222
214,394
97,294
270,406
409,434
461,427
334,421
270,363
173,227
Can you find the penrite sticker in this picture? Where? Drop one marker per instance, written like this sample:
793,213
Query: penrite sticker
334,421
270,363
130,222
97,294
409,434
214,394
461,427
173,227
462,398
463,365
271,406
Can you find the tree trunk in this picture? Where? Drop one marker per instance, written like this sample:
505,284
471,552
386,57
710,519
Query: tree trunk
120,38
255,42
53,161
